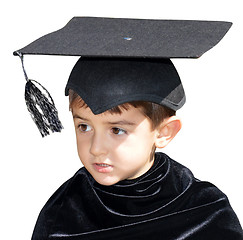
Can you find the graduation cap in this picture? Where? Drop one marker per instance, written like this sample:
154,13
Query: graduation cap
122,60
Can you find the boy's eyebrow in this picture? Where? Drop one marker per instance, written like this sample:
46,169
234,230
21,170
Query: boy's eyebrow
121,122
77,116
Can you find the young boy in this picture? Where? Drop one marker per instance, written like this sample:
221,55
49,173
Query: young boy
123,109
125,190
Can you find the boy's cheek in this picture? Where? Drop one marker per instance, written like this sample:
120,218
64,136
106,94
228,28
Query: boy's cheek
82,148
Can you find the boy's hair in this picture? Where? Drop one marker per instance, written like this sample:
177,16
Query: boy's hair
155,112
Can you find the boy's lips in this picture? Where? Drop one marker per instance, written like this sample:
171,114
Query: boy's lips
103,167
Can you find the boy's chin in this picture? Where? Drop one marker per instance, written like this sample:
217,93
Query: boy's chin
106,180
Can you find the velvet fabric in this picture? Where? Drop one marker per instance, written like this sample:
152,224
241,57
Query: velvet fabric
167,203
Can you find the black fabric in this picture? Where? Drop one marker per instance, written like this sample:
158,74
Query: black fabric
119,37
104,83
165,203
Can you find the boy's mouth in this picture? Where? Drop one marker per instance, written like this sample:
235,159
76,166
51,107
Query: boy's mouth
103,167
102,164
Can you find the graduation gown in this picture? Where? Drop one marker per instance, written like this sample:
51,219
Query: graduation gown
167,202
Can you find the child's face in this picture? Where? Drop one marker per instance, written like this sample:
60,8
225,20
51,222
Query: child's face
114,147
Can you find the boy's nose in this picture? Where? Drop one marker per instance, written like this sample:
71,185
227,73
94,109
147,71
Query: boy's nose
98,145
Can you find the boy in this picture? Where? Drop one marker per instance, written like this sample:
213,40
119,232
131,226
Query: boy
123,109
125,190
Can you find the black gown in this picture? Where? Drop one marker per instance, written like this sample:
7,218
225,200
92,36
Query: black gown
166,203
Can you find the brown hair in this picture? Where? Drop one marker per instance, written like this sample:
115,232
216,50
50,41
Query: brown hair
155,112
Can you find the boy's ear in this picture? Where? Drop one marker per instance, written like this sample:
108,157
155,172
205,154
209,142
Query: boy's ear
167,131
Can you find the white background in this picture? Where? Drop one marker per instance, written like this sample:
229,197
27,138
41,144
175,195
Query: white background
210,142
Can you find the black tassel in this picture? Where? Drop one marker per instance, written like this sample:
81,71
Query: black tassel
40,105
42,109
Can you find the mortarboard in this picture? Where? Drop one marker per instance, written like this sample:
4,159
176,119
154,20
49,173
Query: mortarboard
122,60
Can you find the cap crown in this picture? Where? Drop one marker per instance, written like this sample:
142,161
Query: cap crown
104,83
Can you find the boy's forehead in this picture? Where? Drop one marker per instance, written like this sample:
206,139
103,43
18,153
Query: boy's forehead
78,103
130,114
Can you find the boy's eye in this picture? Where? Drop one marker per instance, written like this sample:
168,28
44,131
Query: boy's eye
118,131
84,127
